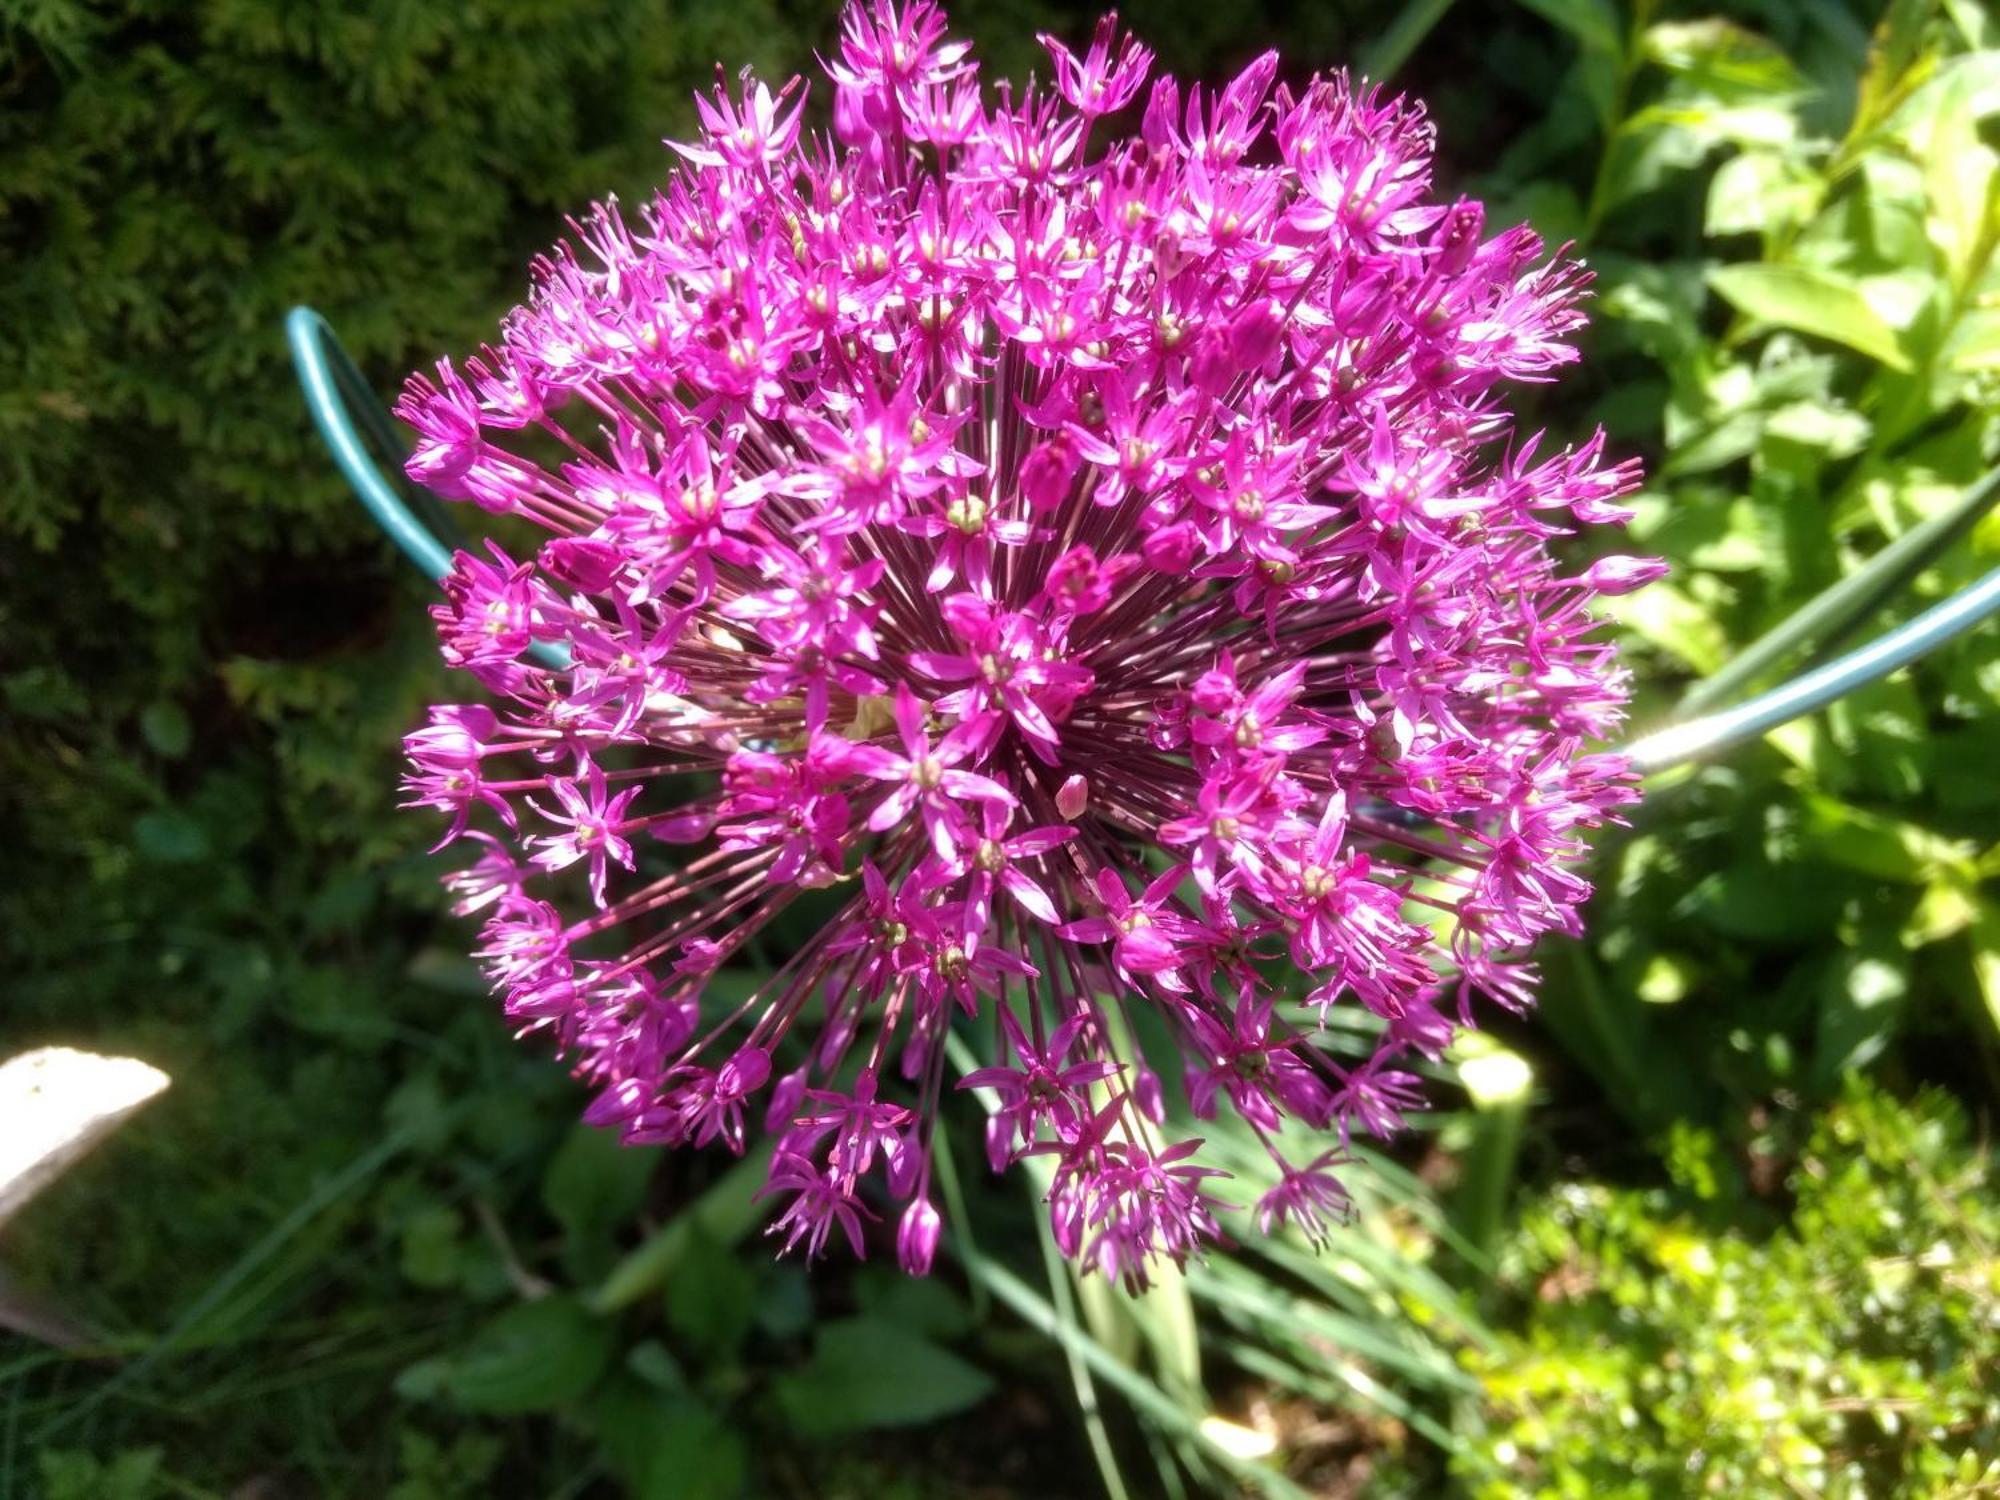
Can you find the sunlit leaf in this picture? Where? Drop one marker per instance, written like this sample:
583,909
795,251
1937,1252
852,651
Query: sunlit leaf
1724,59
1761,192
1986,958
1946,909
1811,301
1862,1004
1959,184
1668,618
1974,345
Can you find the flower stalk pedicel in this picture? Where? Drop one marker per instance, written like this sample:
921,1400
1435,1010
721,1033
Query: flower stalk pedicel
1104,567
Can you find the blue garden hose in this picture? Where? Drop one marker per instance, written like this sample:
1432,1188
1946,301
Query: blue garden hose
336,393
1698,738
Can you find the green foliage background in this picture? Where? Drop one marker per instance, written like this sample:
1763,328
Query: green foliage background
360,1250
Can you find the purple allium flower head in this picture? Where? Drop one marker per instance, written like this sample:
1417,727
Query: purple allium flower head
1101,570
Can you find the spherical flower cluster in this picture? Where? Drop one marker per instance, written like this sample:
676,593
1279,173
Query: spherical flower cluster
1098,567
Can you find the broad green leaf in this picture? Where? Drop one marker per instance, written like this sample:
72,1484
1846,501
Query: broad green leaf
1896,63
535,1356
1976,23
1835,430
1890,210
1593,23
1668,618
1974,345
431,1255
725,1212
785,1302
1761,192
1959,187
1659,303
166,728
594,1185
1986,958
1883,732
1946,909
1793,902
1901,296
1677,134
1886,848
624,1413
695,1455
170,836
1861,1005
1814,302
867,1374
1969,82
71,1474
1724,59
711,1298
1551,207
922,1305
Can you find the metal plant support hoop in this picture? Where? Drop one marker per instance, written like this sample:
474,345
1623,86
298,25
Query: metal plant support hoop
352,421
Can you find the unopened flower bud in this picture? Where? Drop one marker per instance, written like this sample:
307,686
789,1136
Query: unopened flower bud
1622,575
917,1237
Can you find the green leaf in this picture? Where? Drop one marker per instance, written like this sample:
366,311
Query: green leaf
1761,192
166,728
1593,23
75,1475
1788,902
1986,958
865,1374
1974,345
1671,620
1969,83
1946,908
922,1304
594,1184
169,836
1723,60
1833,430
1891,209
1959,187
785,1302
725,1212
1810,301
1895,59
1861,1004
695,1455
711,1298
431,1254
535,1356
1886,848
44,693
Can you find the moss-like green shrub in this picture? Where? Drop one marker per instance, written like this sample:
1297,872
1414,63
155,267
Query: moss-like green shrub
1854,1352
